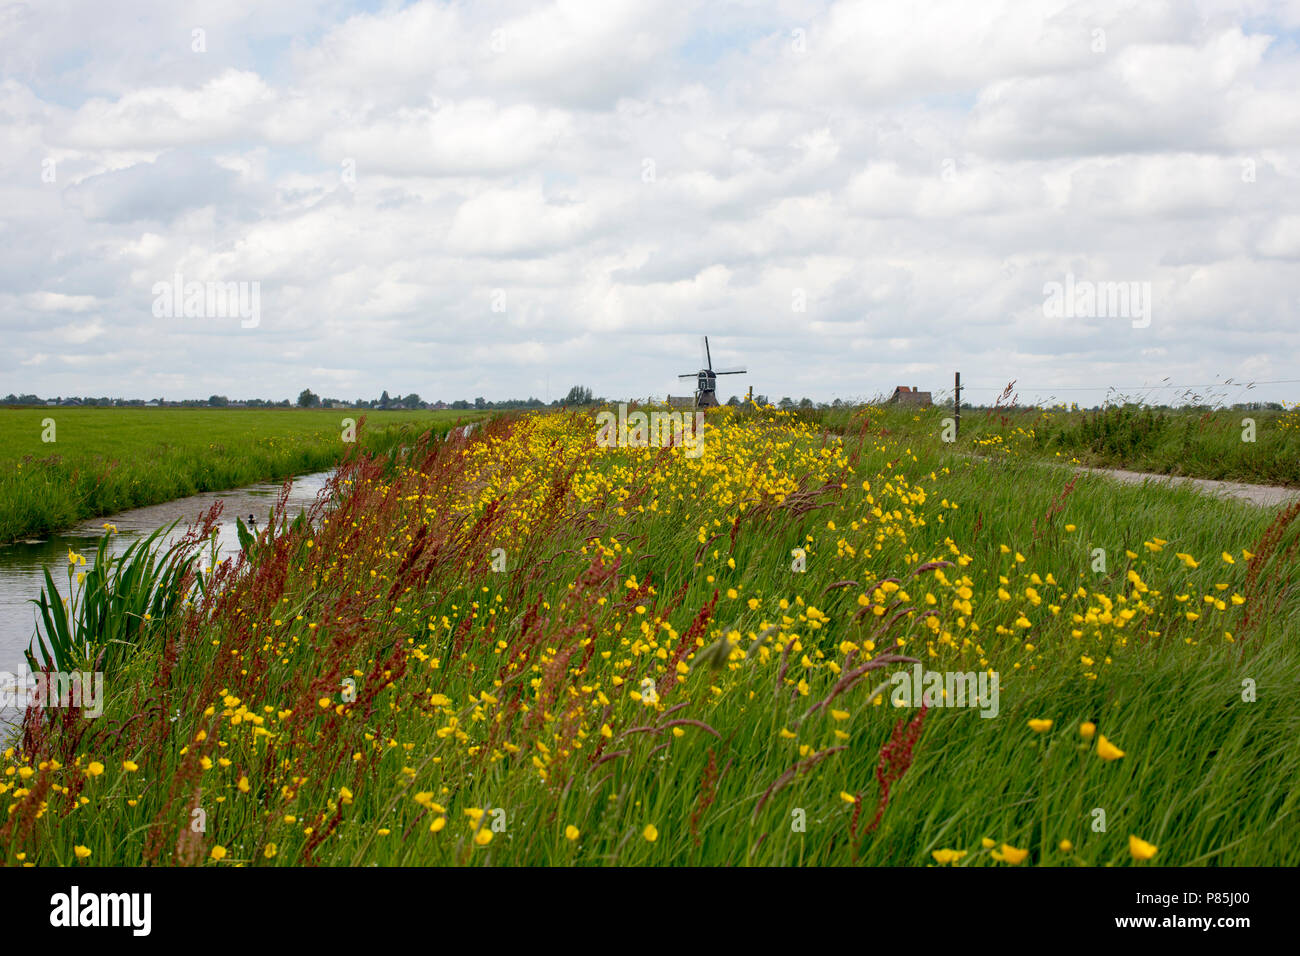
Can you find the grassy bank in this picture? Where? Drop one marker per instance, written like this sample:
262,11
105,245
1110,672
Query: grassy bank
103,460
1258,447
530,650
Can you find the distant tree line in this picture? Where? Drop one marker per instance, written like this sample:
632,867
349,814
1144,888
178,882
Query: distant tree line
577,395
309,399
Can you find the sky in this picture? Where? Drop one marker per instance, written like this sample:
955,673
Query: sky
505,199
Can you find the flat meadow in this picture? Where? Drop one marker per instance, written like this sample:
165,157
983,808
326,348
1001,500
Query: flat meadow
523,648
61,465
1253,446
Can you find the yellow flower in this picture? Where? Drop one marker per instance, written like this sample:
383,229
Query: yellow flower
1227,558
81,852
425,799
1010,854
218,853
1065,846
1107,750
1140,849
94,768
840,714
437,824
130,766
1038,725
650,833
270,851
483,837
947,856
243,785
571,832
987,843
848,797
345,795
1087,729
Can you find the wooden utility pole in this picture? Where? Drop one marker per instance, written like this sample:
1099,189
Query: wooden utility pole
956,402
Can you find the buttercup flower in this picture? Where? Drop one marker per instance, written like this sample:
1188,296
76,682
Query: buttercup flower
1107,750
1010,854
1140,849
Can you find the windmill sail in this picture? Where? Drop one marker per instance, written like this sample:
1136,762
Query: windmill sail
707,378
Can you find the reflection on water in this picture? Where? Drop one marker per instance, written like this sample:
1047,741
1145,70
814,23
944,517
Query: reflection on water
21,564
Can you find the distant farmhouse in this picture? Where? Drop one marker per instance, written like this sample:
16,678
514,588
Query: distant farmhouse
910,396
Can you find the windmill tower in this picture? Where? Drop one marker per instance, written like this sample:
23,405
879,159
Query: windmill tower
706,379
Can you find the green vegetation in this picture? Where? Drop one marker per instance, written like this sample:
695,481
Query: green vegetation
1261,447
104,460
531,650
1221,445
112,604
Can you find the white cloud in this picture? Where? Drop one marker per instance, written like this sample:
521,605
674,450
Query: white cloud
225,107
911,174
58,302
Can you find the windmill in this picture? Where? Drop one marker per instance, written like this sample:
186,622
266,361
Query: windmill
707,379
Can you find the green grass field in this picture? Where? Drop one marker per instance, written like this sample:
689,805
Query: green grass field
531,650
104,460
1259,447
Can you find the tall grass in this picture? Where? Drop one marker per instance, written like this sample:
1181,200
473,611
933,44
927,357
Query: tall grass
1260,447
524,649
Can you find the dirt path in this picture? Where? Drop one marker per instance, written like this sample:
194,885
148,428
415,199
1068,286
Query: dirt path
1266,496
